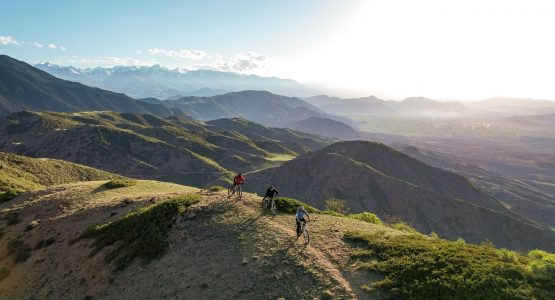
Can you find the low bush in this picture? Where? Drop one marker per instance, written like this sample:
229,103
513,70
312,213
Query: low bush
367,217
290,205
333,213
418,267
142,233
9,194
119,183
217,188
402,226
336,205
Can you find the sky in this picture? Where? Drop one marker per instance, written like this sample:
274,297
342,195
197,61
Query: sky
457,50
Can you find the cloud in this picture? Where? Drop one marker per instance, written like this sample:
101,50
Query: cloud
242,62
8,40
62,48
178,54
247,61
52,46
37,44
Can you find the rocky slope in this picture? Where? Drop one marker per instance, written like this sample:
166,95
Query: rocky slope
374,177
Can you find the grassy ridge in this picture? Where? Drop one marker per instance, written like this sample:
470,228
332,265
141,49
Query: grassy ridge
421,267
141,233
19,174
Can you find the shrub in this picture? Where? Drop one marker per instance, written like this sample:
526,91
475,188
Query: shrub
402,226
142,233
9,194
290,205
418,267
217,188
367,217
543,264
333,213
119,183
336,205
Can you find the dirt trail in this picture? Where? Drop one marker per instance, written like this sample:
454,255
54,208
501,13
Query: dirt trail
312,257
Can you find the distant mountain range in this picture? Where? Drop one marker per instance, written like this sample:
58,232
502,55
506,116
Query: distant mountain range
162,83
23,87
259,106
374,177
425,107
415,106
144,146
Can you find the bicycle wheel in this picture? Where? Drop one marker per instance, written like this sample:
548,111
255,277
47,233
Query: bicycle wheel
230,191
273,207
306,235
240,192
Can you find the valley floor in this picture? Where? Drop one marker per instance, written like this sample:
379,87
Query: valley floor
219,248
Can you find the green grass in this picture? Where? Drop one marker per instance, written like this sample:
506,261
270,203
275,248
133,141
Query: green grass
419,267
402,226
119,183
26,174
366,217
290,205
217,188
336,205
142,233
280,157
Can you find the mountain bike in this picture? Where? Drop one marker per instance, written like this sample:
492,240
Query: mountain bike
269,203
304,232
232,189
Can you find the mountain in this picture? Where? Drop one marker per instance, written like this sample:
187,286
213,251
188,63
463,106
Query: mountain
532,198
23,87
326,127
373,106
173,149
321,100
421,106
162,83
258,106
374,177
159,240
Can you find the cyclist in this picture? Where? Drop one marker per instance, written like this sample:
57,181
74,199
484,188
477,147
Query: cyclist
237,181
299,217
271,192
